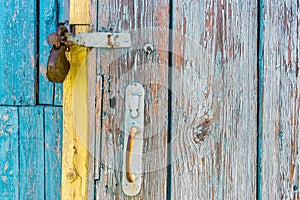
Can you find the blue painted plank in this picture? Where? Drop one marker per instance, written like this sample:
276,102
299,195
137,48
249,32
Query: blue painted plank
47,24
64,10
9,156
53,152
31,136
63,18
58,94
18,52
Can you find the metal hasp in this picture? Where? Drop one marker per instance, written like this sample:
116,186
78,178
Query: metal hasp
101,40
133,140
58,65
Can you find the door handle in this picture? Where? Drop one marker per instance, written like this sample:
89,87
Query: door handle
129,175
133,141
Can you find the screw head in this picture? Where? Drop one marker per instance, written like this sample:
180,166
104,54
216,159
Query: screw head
148,48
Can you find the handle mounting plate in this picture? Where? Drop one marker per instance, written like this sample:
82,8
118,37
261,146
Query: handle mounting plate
133,142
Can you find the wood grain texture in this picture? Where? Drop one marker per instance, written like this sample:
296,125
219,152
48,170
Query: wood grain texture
79,12
49,93
53,156
31,141
9,154
214,100
115,70
64,11
281,106
18,52
75,135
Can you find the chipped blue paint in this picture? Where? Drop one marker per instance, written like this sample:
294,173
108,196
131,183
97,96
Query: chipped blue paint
31,137
64,10
9,155
47,25
18,52
53,149
49,93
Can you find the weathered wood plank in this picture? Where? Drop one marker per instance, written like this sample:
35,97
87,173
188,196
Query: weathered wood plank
47,24
147,21
18,52
53,154
31,134
79,12
58,94
9,154
50,10
75,137
281,106
214,100
64,11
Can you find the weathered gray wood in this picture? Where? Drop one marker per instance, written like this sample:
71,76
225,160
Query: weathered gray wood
9,154
214,100
53,145
18,52
31,134
281,106
116,69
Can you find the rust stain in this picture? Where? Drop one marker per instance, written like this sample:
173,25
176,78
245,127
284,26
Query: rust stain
184,26
220,31
292,169
297,61
203,161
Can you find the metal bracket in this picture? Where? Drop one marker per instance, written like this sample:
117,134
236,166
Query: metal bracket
101,39
133,142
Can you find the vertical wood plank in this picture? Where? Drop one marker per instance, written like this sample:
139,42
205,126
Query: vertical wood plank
64,11
58,94
79,12
214,100
147,21
31,134
47,24
75,134
281,102
9,153
18,52
53,146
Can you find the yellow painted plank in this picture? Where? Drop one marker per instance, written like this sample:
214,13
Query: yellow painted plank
79,12
75,153
75,143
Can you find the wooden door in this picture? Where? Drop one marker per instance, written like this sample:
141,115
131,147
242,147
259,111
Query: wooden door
220,121
200,103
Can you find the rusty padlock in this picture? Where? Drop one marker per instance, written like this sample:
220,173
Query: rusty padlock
58,65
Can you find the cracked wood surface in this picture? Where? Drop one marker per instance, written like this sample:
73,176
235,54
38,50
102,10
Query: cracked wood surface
281,103
214,106
115,70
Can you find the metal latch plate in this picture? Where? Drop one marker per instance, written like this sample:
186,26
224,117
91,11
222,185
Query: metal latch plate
102,39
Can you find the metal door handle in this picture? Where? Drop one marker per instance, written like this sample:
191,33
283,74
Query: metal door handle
133,140
129,175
